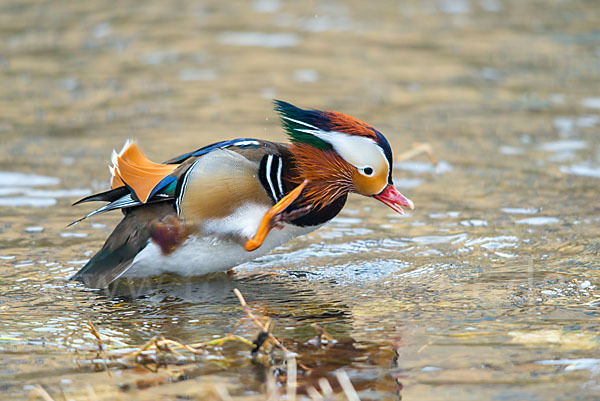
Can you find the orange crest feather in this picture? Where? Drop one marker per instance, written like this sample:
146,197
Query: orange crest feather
349,125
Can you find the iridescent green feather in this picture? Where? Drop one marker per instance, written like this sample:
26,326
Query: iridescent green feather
296,130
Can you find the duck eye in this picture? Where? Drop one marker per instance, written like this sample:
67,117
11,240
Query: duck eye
368,171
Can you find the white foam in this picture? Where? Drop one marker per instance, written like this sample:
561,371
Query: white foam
14,179
259,39
591,102
27,201
520,210
575,364
539,221
581,170
563,146
423,167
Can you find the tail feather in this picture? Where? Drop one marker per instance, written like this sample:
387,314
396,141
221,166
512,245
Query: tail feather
133,169
135,180
120,249
107,196
121,203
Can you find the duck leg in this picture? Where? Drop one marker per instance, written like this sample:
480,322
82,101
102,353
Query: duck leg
274,216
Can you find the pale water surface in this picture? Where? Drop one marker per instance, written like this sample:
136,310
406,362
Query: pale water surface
488,290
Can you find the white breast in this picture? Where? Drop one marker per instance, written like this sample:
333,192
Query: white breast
214,251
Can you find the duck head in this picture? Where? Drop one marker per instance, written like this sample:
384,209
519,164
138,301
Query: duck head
339,154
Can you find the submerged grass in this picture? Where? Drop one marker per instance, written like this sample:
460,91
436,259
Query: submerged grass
285,378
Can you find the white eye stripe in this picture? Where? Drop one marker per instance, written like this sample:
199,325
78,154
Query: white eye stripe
360,151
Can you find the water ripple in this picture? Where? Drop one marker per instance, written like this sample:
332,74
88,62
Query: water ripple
539,221
582,170
259,39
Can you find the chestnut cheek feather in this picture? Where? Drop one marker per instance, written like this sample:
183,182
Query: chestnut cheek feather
329,175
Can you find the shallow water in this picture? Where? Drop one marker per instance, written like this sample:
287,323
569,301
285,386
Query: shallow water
487,290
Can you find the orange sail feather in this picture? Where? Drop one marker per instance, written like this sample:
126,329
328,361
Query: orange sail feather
132,168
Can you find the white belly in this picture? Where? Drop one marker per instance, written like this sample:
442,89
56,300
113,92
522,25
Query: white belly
204,255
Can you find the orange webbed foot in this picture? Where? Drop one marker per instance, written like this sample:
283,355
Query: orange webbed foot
271,219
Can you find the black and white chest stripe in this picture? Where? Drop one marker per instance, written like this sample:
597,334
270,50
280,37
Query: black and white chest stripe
269,172
182,186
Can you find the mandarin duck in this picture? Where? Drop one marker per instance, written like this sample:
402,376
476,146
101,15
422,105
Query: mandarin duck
214,208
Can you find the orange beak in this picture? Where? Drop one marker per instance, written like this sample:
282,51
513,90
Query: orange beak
394,199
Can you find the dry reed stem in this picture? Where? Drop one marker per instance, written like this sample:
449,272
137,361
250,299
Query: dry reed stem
101,350
418,148
257,322
163,344
314,394
323,333
424,346
166,343
292,382
91,393
347,386
222,392
40,392
326,388
272,389
94,332
143,348
222,340
90,326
